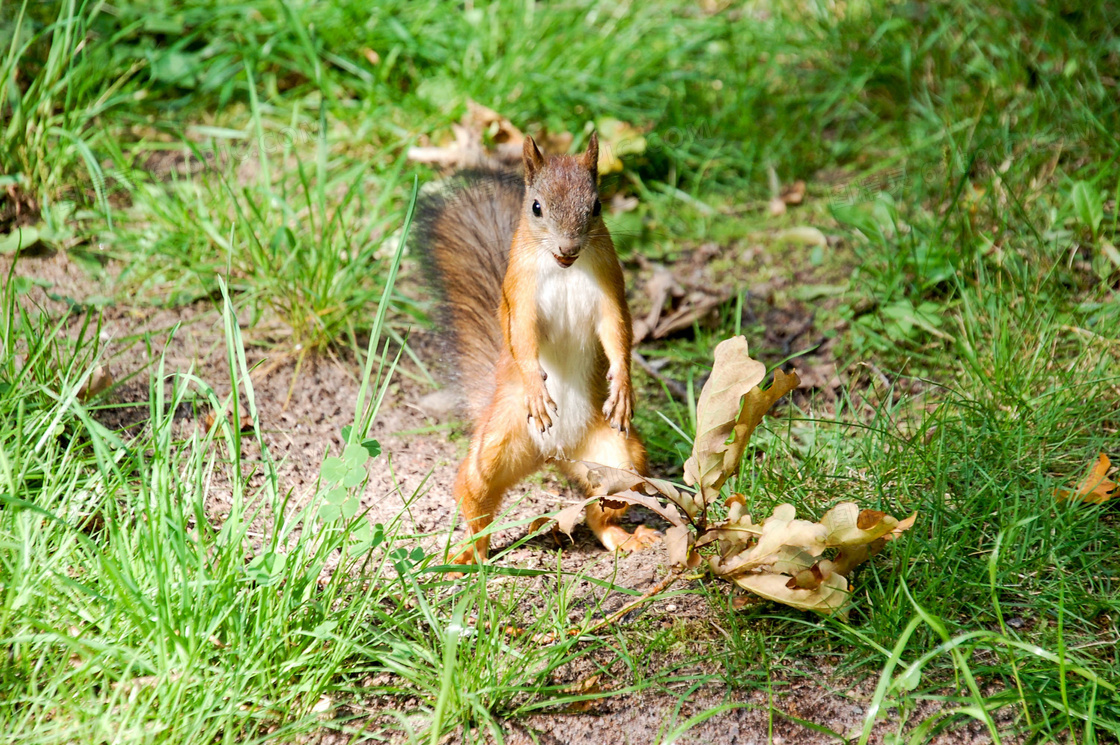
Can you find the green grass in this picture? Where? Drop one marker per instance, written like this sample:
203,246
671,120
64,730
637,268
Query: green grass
962,158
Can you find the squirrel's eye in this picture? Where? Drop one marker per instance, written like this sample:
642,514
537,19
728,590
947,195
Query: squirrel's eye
597,208
536,208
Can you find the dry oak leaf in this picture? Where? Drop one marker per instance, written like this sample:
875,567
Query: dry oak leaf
847,525
860,534
695,307
660,287
828,597
623,485
730,408
785,565
734,534
492,124
794,193
246,422
98,381
903,526
587,687
620,486
617,139
781,538
567,518
679,540
468,150
1095,487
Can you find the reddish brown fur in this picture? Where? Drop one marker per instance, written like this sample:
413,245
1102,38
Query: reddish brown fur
504,382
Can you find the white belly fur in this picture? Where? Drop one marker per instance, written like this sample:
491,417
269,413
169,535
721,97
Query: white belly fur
569,306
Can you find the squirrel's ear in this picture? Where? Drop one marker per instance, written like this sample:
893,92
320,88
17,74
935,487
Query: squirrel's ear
590,157
534,161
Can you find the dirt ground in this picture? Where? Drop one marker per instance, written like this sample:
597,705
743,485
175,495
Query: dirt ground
420,458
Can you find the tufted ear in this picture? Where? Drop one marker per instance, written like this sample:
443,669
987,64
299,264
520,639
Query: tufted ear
590,157
533,159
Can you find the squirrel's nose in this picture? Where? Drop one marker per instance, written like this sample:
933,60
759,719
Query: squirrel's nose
568,247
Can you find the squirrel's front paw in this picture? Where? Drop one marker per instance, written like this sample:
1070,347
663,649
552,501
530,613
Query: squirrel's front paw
538,402
619,406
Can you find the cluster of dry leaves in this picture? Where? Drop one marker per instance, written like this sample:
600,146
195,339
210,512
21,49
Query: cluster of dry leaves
797,562
679,297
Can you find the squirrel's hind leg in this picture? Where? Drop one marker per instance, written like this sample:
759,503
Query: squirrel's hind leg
610,447
500,455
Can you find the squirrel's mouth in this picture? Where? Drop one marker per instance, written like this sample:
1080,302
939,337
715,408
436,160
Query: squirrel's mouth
566,261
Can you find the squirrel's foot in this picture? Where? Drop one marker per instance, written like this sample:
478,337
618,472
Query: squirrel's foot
469,557
616,538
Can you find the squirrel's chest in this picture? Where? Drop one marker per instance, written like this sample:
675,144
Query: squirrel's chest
569,307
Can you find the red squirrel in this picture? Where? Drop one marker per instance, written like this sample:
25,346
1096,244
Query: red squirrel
534,300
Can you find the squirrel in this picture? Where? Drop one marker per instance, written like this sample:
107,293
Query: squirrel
533,300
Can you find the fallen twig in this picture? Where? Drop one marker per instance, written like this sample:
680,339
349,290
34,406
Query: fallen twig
657,589
675,388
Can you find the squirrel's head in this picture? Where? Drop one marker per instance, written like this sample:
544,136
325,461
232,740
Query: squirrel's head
562,207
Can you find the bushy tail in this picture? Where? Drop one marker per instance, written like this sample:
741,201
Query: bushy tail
463,234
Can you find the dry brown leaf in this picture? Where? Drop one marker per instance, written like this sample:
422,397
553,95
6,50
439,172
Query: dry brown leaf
246,423
678,539
735,533
794,193
653,504
734,374
739,602
567,518
785,563
730,408
633,488
98,382
543,522
1095,487
808,579
641,333
902,527
846,525
793,560
781,536
851,557
371,56
493,125
586,687
464,151
554,143
830,596
479,125
617,139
